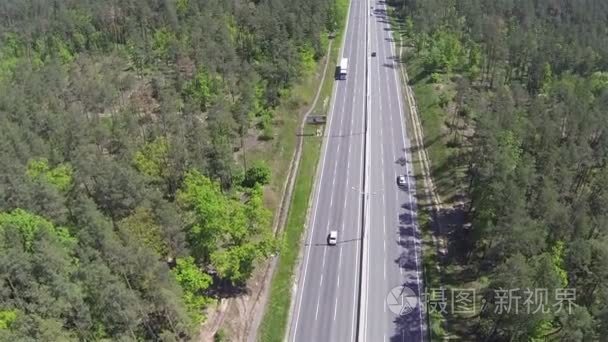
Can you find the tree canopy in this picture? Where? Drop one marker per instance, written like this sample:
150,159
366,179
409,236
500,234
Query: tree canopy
123,210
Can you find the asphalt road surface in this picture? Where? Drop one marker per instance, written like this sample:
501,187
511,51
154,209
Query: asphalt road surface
393,240
327,293
328,286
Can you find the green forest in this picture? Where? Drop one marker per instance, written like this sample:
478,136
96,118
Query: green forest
125,209
521,88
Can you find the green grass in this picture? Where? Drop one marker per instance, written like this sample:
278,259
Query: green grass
274,322
449,177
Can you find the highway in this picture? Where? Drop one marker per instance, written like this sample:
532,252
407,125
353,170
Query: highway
393,240
327,288
327,292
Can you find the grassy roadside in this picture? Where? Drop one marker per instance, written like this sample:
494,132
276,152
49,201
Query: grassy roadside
274,322
449,177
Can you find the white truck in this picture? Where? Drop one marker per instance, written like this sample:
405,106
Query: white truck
343,68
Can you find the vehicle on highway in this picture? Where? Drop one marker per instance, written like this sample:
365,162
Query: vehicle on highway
401,180
343,68
374,54
332,238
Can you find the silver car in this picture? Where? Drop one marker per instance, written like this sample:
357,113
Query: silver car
401,180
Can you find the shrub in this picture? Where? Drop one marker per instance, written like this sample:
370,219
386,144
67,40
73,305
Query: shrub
259,173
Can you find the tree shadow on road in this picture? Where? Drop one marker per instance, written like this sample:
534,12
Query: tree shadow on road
408,327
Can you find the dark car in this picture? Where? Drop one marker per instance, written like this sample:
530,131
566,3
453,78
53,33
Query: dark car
374,54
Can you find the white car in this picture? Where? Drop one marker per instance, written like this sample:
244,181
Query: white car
332,238
401,180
